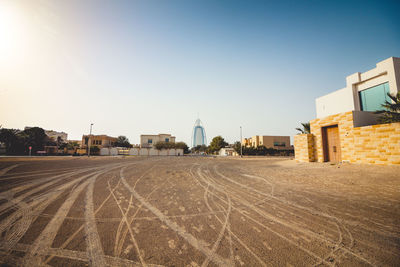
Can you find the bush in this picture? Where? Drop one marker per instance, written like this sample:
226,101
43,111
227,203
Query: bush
94,150
169,145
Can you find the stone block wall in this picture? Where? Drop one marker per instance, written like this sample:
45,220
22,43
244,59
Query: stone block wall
376,144
345,125
304,146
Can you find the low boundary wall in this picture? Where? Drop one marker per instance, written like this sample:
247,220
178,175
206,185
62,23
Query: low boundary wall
376,144
140,152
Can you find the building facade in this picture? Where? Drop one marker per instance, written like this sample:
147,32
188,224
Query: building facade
149,140
98,140
276,142
346,128
364,91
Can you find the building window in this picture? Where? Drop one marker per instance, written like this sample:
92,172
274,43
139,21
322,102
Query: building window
100,141
149,141
371,99
279,144
166,140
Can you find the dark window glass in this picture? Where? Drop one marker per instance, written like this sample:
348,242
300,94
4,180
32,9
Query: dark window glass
279,144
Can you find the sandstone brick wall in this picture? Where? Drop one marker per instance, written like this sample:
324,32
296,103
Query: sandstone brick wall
303,144
345,124
378,144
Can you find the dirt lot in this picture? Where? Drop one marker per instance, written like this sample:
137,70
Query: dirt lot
197,212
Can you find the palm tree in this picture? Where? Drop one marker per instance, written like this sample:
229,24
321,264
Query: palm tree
305,129
391,113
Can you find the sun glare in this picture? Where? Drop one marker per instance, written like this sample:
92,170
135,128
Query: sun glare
11,32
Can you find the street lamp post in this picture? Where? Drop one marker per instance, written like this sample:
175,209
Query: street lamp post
241,149
90,134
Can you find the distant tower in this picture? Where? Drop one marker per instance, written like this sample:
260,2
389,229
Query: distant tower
199,134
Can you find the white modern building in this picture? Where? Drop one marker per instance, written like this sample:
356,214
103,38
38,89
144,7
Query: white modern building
347,129
227,151
364,91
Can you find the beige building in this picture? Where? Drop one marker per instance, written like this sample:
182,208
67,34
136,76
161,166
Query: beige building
149,140
346,128
276,142
98,140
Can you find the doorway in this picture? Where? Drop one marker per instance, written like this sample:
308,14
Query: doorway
331,143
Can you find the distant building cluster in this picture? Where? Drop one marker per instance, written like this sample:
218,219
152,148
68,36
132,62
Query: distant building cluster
276,142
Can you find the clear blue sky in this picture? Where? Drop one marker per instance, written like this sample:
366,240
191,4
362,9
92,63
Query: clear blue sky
148,67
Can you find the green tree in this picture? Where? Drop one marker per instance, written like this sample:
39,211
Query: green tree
217,143
182,145
122,141
94,150
72,145
17,142
61,143
10,139
199,148
168,145
391,111
237,146
305,128
34,137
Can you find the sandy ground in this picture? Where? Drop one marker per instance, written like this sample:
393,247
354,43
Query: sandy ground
197,212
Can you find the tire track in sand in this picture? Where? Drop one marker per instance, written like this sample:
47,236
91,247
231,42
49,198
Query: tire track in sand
71,237
218,188
125,220
94,248
197,244
119,241
76,255
46,196
7,169
43,242
223,229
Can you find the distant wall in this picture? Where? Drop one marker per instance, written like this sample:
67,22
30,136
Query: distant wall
141,152
134,151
